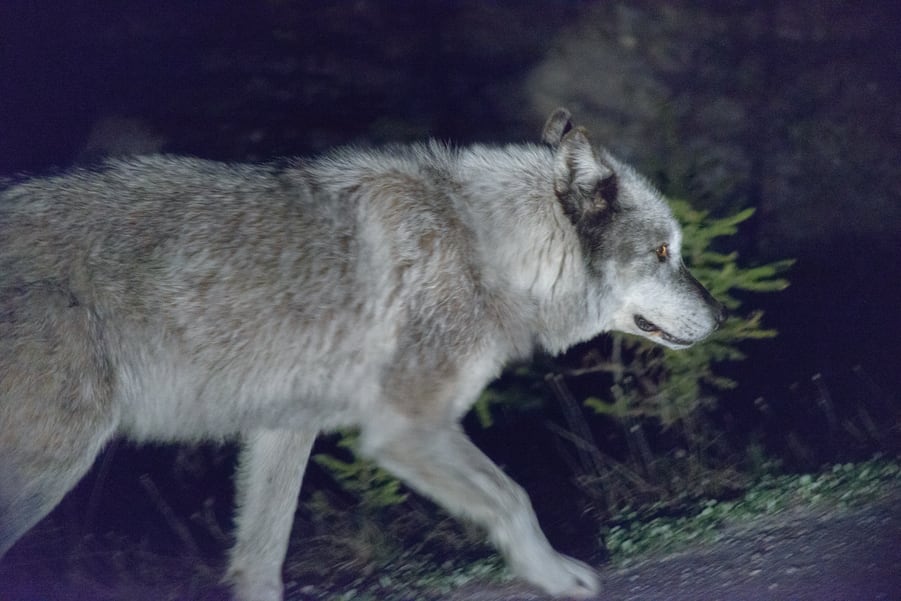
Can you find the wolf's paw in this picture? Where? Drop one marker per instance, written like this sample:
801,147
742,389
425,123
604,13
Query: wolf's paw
563,576
246,588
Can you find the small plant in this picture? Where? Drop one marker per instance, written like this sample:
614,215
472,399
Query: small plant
376,488
521,387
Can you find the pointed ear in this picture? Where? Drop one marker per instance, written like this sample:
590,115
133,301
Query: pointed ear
585,185
556,126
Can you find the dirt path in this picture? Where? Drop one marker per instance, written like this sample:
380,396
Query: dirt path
806,554
819,553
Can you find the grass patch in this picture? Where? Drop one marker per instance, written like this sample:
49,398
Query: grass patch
637,531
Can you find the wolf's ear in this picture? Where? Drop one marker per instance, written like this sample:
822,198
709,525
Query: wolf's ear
585,185
556,126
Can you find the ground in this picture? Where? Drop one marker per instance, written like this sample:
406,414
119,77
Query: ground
815,552
804,554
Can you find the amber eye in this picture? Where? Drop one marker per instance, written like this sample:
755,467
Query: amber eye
662,252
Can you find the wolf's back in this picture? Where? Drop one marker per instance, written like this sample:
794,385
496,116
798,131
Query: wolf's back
130,220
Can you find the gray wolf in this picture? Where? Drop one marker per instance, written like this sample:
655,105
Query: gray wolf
174,299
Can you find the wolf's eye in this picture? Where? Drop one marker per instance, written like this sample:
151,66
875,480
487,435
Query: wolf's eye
663,252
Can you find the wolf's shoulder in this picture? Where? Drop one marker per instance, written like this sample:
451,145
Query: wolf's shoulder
393,158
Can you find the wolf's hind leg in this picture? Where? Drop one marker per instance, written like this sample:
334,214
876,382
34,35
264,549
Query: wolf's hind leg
56,409
442,463
269,475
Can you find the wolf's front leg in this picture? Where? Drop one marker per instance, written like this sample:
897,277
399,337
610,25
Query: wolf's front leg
442,463
270,471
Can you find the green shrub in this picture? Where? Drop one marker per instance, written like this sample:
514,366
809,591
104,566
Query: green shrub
373,486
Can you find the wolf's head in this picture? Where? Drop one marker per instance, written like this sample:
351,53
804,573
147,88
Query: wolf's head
630,241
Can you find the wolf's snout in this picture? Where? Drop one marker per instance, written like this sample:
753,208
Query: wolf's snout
654,330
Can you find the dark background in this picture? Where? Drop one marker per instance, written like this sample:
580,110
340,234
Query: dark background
788,107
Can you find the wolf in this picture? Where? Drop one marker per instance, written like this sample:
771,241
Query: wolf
164,298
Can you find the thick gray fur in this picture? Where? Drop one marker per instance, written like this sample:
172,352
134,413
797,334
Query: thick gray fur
174,299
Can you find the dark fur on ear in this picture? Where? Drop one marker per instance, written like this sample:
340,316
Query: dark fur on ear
586,185
556,126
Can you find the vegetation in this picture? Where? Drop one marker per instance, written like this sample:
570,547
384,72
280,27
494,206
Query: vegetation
375,488
641,530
